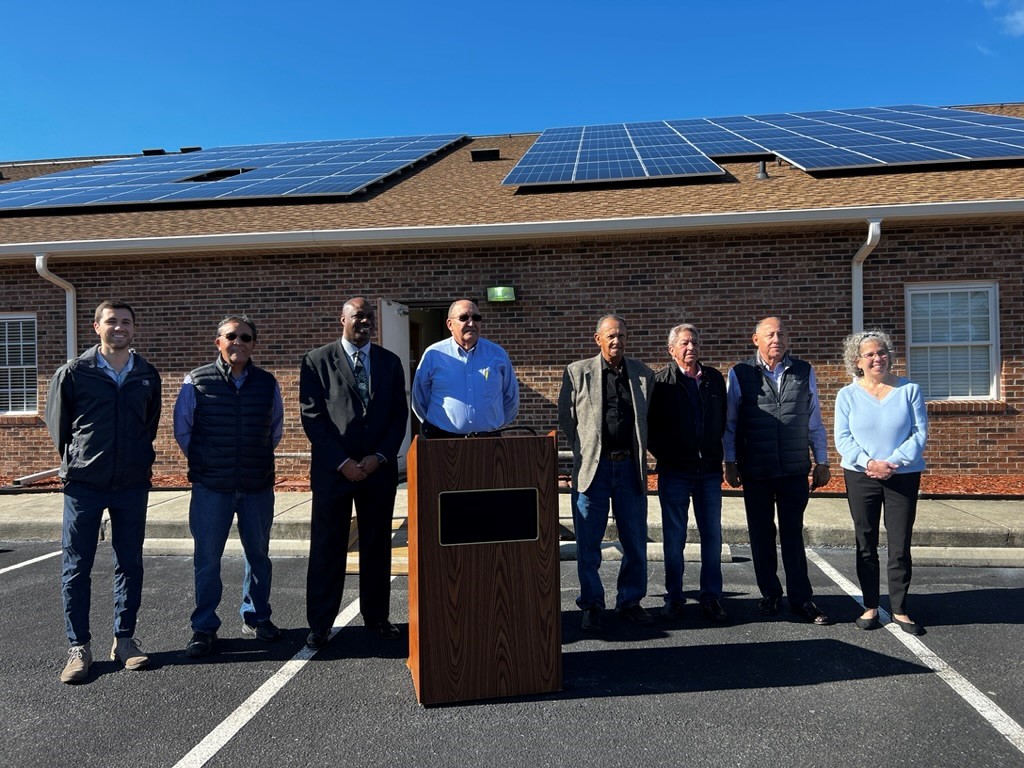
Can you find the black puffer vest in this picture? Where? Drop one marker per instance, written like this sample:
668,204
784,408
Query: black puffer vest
231,448
772,426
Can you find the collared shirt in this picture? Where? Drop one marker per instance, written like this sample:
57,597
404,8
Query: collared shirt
350,351
464,392
816,427
107,368
185,409
617,415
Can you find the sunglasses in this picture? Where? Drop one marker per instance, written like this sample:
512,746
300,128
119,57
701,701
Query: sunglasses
465,318
243,336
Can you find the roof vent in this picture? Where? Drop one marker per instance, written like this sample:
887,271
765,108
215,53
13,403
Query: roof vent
480,155
762,173
186,150
154,152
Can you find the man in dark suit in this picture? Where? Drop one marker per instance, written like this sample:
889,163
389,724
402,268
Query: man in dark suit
602,411
354,412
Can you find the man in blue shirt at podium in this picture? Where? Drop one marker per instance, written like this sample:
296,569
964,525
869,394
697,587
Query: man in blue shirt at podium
464,385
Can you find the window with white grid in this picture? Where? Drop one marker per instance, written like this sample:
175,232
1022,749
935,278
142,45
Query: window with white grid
18,364
953,340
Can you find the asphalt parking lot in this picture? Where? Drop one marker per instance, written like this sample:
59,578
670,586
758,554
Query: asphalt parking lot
758,692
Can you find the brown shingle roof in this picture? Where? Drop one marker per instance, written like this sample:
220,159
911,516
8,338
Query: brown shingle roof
452,190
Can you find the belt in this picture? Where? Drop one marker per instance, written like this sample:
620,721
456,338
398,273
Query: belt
619,455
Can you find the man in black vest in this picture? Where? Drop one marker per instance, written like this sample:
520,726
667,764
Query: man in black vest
228,419
355,414
773,417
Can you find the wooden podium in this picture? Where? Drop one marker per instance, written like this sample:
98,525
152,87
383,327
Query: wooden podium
484,594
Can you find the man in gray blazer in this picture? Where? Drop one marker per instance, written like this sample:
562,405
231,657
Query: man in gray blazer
602,411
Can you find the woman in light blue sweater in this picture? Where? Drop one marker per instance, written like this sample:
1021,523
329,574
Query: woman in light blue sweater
881,427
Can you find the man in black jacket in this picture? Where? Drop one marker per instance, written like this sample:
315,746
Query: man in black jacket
355,414
227,420
685,425
102,412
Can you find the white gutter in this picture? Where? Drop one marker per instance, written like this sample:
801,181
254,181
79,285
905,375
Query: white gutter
857,272
70,301
334,238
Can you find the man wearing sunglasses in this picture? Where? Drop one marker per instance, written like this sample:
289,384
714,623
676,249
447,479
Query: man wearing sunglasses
464,385
228,419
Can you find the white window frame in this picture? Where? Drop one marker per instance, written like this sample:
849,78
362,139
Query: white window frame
6,394
987,286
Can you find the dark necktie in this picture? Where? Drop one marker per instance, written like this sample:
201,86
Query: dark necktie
362,384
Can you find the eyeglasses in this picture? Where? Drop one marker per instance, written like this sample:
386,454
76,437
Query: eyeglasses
873,355
243,336
466,318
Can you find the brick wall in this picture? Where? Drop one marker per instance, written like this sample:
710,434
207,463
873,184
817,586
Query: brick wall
721,282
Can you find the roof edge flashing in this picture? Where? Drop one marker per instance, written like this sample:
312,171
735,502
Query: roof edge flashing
517,231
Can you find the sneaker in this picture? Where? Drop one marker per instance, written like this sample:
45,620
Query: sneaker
201,644
127,651
673,610
636,614
79,661
264,630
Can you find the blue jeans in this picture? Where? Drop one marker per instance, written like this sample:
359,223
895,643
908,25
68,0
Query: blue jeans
210,514
675,489
617,483
83,513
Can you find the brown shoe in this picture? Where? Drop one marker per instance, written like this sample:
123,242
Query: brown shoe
127,651
77,667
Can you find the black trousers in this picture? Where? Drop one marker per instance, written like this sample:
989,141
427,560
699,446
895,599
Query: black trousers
762,499
328,551
867,499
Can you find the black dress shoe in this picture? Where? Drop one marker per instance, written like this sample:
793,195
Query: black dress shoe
769,606
317,639
909,627
714,611
201,644
673,610
636,614
384,629
869,623
593,620
809,611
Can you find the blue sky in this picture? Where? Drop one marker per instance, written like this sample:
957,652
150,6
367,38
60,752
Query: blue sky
114,77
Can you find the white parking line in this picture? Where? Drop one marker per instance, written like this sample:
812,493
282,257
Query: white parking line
29,562
233,723
981,703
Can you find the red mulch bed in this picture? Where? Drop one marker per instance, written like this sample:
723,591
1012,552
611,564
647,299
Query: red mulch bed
931,485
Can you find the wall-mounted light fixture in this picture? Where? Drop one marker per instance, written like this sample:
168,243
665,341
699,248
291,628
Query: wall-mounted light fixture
501,293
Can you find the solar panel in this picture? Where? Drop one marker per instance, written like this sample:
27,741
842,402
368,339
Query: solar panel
618,152
822,140
292,169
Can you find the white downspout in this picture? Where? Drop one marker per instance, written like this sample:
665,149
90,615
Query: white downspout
857,272
71,301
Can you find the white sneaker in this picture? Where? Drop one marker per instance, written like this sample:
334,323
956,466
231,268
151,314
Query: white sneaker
79,661
127,651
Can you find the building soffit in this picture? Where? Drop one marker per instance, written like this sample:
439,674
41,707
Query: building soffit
343,239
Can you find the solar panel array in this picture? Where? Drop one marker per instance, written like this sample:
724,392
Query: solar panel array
827,140
289,170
